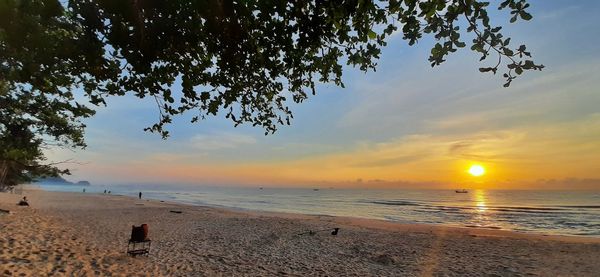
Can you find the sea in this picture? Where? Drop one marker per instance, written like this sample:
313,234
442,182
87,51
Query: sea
575,213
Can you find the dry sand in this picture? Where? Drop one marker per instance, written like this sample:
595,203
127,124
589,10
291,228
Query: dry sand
78,234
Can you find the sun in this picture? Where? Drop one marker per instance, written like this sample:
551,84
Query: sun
476,170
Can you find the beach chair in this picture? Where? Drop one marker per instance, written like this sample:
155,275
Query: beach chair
139,244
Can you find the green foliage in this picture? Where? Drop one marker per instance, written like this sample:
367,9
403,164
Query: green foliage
30,123
41,61
247,59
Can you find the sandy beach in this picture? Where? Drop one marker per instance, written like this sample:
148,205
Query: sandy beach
79,234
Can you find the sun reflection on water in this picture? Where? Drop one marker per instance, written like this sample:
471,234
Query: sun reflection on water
480,201
482,215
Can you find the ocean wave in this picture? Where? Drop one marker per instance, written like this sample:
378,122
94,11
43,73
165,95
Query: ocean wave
493,208
484,227
395,203
528,208
259,202
527,211
581,206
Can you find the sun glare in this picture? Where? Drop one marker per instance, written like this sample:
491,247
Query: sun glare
476,170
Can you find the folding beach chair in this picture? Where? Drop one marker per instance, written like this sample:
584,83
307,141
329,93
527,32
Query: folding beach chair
139,244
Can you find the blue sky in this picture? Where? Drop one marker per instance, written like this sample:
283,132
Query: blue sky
405,123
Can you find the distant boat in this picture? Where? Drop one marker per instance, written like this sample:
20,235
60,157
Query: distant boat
461,191
316,189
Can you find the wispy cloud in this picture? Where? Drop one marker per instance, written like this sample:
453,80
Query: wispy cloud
220,141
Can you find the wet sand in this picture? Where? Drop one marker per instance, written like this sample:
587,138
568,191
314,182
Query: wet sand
86,234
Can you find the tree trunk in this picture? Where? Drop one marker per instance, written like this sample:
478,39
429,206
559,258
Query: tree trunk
3,170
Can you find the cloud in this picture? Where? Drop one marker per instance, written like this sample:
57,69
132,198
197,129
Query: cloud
558,13
220,141
515,158
389,161
377,183
455,101
571,182
482,146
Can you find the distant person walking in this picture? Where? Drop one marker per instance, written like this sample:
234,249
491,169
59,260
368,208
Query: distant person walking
140,195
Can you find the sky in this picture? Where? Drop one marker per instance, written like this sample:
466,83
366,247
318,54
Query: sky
407,125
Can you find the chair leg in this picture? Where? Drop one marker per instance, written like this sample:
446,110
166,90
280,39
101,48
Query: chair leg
139,248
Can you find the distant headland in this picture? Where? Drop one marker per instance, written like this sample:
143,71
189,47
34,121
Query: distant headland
60,181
